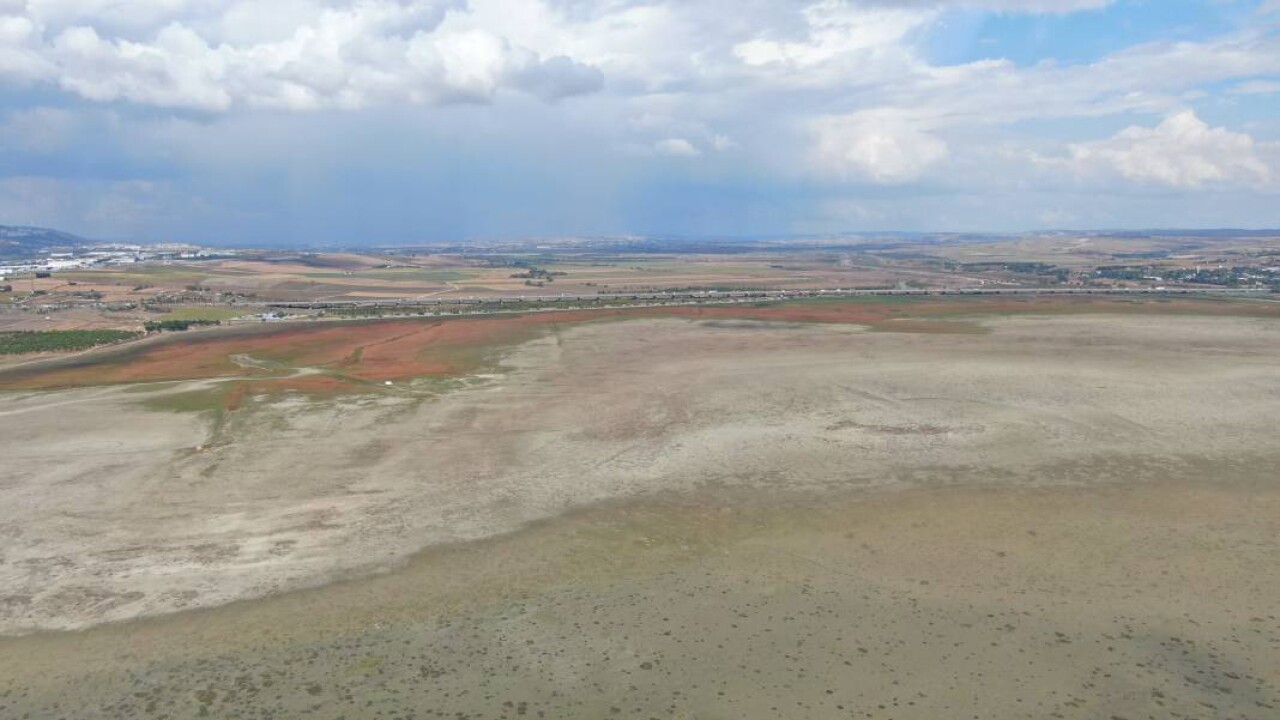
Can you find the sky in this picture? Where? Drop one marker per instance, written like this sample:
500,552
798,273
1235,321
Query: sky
241,122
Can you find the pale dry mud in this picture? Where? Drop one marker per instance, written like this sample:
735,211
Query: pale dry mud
116,510
1066,517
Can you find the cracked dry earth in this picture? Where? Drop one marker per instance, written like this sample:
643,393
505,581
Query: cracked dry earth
1071,517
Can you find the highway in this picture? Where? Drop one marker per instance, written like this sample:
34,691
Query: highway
453,305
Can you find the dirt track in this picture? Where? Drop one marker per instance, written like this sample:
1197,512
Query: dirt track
809,478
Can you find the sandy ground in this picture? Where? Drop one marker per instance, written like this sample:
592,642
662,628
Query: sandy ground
1067,517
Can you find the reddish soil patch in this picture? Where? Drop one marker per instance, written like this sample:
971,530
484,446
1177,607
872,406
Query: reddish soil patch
367,351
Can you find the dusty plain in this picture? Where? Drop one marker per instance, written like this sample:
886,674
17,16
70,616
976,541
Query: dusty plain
1063,510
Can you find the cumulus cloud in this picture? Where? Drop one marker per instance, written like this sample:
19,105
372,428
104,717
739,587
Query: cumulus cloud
306,54
21,56
216,55
347,55
1181,152
878,147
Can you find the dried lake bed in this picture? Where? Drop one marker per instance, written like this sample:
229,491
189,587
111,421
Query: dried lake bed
1071,516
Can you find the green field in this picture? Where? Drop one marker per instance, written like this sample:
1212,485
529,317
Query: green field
141,275
16,343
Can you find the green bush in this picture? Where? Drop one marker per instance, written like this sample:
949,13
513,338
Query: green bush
159,325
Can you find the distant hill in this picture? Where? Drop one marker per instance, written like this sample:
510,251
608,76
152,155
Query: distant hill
18,241
1201,233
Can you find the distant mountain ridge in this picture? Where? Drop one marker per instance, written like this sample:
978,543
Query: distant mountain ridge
24,241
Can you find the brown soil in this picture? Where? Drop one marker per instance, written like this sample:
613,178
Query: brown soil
376,351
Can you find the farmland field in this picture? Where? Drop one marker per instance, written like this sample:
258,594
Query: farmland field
32,341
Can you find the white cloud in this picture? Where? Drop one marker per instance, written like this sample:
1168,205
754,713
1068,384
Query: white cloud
1181,152
310,56
109,14
1151,78
835,28
21,59
676,147
178,69
880,147
218,55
